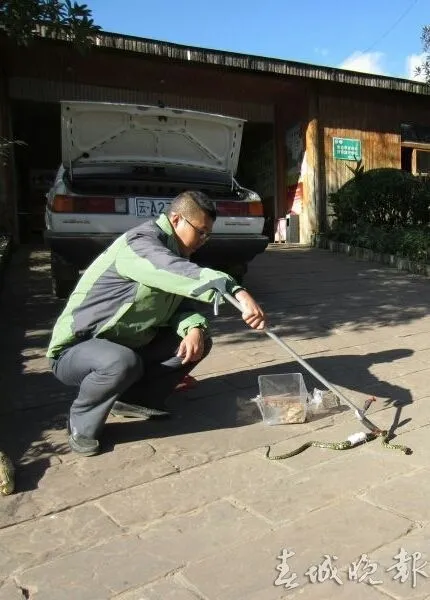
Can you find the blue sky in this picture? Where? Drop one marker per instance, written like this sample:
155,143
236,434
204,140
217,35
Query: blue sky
373,36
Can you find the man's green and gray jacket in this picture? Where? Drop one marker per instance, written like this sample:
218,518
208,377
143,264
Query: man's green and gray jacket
133,288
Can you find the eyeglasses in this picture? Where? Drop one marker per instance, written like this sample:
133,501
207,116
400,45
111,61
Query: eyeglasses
203,235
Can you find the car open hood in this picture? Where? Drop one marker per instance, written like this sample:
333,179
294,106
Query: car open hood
102,132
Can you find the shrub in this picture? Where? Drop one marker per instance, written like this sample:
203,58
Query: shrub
388,198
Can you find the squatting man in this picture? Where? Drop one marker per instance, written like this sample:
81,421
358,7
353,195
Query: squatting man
129,334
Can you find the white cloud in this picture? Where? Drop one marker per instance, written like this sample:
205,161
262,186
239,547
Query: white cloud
365,62
412,62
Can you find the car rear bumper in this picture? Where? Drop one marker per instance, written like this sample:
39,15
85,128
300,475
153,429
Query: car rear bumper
220,250
78,249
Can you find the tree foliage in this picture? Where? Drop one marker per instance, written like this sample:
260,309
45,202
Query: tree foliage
384,197
424,69
23,20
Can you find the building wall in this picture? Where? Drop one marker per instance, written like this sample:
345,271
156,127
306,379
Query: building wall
375,125
41,90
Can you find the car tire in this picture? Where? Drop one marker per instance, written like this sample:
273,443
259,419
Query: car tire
64,276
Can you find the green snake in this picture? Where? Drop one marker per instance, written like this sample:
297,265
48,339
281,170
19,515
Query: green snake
7,475
383,434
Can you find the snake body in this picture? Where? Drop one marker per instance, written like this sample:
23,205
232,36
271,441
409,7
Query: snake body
384,435
387,444
7,475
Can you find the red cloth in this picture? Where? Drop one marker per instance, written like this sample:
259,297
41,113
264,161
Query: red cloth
187,383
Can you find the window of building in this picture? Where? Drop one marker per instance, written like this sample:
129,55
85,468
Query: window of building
422,162
415,144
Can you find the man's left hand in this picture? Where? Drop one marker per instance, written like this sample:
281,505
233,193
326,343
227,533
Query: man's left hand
192,346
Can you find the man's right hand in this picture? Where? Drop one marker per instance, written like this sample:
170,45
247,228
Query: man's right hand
252,313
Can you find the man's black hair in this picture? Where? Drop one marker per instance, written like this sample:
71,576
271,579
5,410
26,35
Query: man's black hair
181,204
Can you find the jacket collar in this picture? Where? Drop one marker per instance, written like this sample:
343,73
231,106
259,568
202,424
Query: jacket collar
165,225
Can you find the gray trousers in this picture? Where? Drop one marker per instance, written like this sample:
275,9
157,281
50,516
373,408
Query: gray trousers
106,372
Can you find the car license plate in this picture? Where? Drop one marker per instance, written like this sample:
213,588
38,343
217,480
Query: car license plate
151,208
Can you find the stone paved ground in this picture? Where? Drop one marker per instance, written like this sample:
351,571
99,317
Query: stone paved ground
190,509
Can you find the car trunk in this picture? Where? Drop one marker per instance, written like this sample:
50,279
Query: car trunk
158,182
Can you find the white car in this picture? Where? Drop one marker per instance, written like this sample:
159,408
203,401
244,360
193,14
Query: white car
123,163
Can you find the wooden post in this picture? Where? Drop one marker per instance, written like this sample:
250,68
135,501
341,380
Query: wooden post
315,174
280,207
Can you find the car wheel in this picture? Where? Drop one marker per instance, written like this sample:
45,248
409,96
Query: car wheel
64,276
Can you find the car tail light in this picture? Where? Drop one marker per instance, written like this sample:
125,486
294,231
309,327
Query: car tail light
239,209
255,209
89,204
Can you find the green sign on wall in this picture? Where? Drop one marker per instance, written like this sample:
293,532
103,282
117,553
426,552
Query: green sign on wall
346,149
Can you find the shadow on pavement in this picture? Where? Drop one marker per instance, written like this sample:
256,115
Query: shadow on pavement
207,408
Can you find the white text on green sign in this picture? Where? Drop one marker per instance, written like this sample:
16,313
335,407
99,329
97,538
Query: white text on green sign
346,149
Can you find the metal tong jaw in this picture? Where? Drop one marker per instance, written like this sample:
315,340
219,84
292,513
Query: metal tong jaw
219,286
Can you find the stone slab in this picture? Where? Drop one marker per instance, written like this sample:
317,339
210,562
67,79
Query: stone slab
407,579
304,492
96,573
417,440
168,588
43,539
66,485
331,590
9,591
203,532
249,570
182,493
412,502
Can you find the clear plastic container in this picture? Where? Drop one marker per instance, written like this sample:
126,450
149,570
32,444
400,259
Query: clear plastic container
282,399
